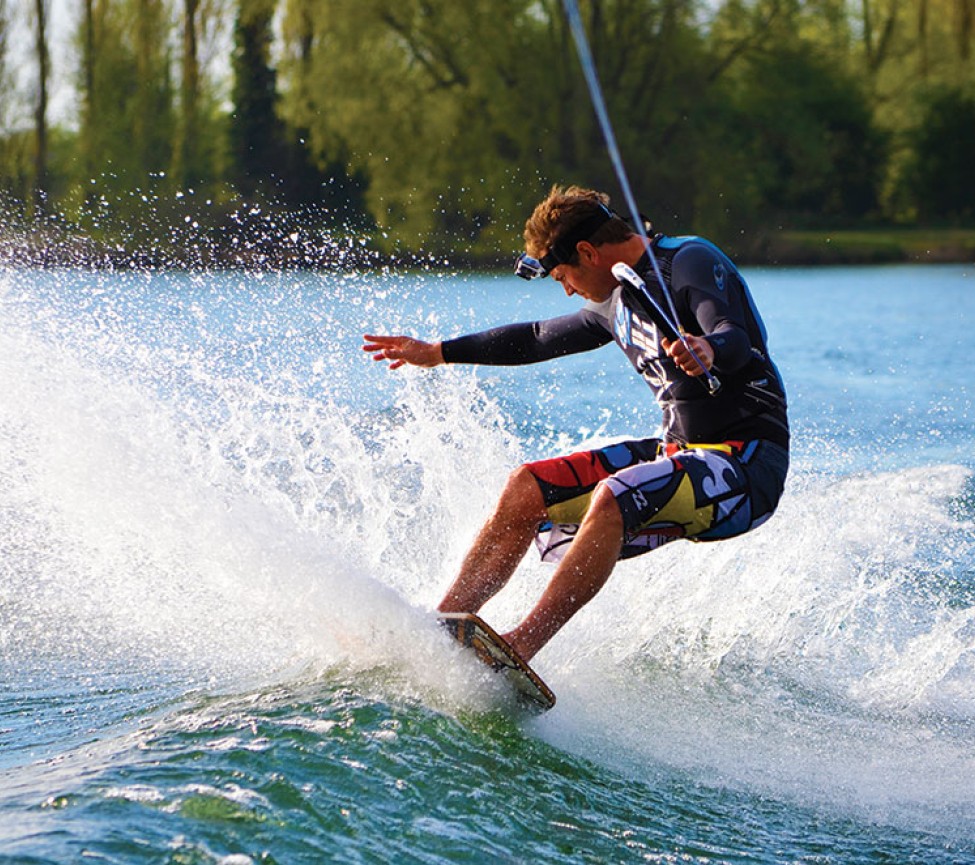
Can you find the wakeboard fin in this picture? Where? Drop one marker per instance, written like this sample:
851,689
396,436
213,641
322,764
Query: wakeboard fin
473,632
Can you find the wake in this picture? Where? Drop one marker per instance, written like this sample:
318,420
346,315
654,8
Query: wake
201,510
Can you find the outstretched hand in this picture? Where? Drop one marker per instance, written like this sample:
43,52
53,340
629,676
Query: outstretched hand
400,350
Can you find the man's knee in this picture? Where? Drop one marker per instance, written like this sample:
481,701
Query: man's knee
604,508
522,496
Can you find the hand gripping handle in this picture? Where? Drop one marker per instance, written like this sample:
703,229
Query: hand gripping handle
627,275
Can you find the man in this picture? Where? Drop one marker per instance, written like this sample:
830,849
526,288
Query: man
720,466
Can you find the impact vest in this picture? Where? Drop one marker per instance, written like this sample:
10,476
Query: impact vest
704,286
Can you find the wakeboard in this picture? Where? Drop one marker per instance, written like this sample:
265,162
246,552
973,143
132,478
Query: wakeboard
474,633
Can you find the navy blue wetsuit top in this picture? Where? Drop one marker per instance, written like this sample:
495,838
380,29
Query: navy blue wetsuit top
711,300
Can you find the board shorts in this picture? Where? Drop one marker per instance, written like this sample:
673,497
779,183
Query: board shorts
701,492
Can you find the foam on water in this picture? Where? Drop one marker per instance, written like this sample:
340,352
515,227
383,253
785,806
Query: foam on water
162,509
826,657
154,507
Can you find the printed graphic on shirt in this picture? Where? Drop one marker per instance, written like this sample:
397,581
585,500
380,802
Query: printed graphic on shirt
640,340
621,325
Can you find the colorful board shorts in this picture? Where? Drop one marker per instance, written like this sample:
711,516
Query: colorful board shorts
702,492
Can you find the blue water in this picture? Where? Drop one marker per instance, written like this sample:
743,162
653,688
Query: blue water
223,528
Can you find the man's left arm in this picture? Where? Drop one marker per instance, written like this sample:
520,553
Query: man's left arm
710,296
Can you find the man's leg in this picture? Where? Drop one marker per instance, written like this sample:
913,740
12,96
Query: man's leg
580,575
499,547
700,493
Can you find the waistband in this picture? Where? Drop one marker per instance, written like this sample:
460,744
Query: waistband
736,448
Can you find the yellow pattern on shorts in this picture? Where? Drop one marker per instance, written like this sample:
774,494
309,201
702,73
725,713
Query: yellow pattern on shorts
571,511
682,510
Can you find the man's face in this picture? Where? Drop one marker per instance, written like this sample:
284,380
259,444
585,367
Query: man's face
586,279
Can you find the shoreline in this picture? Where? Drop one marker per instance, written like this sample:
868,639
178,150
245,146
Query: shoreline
866,246
786,248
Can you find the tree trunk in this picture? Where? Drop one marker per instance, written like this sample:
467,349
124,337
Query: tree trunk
185,152
40,112
966,20
88,118
922,38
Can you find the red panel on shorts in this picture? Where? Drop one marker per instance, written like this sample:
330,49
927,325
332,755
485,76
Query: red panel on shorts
578,471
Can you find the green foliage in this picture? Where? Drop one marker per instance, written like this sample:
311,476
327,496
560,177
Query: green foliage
944,150
257,146
437,125
422,98
126,113
17,161
127,116
461,116
814,150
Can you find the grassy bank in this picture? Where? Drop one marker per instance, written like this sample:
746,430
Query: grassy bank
281,240
868,246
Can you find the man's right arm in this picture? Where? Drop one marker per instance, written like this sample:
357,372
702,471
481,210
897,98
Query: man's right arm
529,342
508,345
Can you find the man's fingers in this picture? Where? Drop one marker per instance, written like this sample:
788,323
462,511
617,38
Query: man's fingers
387,348
377,343
402,350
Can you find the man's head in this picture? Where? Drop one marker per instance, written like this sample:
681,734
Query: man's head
575,237
567,217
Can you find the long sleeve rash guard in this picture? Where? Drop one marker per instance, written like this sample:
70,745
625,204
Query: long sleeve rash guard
711,300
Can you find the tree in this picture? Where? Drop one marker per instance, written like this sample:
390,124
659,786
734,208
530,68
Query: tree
152,99
445,122
185,167
40,110
16,148
126,115
944,171
89,110
7,89
460,115
407,93
257,144
815,153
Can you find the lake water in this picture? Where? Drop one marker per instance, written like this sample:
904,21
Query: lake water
223,529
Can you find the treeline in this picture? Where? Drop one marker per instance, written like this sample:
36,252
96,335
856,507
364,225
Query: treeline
248,130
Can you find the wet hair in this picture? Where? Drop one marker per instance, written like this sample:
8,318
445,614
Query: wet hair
562,211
